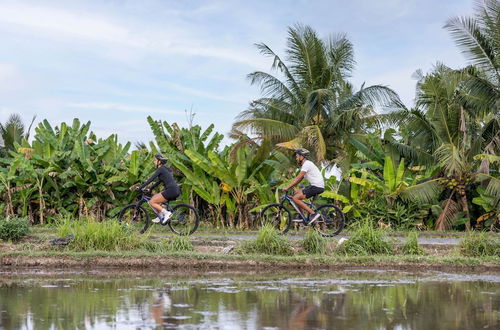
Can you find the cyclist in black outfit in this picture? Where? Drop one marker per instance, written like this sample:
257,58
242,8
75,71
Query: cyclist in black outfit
171,192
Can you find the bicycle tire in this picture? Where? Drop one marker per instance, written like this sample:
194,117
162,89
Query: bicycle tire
184,220
278,216
138,215
332,220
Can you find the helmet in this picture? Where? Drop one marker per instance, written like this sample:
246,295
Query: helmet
160,157
302,151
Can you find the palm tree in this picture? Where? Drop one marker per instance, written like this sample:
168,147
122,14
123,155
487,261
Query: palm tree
313,104
13,131
479,39
448,132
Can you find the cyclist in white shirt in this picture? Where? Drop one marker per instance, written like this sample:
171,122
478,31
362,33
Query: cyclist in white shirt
312,174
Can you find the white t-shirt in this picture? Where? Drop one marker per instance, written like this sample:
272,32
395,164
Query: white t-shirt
313,175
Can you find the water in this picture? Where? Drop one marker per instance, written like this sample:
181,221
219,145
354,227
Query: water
327,300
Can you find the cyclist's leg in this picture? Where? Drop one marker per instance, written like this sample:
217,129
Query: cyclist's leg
298,199
156,202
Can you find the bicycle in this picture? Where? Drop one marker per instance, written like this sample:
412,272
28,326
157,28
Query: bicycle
330,223
183,221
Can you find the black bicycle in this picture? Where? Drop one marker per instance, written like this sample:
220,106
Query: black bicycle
183,221
330,223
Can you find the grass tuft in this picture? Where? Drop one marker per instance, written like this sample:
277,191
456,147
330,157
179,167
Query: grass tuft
411,246
314,243
105,236
180,243
365,240
476,244
268,241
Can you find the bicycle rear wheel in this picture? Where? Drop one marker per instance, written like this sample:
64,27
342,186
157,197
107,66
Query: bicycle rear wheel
136,216
276,215
184,220
331,222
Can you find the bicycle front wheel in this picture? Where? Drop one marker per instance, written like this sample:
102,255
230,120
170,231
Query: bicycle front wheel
184,220
331,222
278,216
136,216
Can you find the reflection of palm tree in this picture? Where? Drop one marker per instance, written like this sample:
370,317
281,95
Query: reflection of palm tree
318,312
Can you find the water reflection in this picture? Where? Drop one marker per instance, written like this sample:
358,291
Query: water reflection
363,300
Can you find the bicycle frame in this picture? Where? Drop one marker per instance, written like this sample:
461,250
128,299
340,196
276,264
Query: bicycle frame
146,198
296,207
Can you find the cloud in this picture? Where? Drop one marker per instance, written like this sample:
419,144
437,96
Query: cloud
11,78
123,108
61,23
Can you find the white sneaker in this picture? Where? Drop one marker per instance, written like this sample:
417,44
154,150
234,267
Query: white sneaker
156,220
166,215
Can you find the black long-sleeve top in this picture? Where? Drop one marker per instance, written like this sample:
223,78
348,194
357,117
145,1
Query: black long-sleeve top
164,176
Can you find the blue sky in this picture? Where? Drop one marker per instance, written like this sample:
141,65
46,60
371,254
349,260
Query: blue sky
114,62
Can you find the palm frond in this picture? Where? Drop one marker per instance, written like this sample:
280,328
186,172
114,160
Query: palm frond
280,65
425,192
268,128
475,45
448,215
272,86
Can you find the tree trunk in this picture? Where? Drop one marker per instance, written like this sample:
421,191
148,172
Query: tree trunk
465,208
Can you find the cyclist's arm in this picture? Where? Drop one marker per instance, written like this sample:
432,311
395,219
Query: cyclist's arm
155,185
296,180
155,174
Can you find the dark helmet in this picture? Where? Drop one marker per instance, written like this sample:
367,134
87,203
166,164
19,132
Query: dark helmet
302,151
160,157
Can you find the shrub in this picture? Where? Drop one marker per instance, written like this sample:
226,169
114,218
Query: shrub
400,216
268,241
14,228
411,245
314,242
477,244
105,236
365,240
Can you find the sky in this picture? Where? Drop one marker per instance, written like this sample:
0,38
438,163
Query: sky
114,62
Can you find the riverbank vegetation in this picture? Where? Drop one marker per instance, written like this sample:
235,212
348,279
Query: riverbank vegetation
434,165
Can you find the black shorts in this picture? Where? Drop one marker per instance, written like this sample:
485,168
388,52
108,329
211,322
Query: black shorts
171,193
311,191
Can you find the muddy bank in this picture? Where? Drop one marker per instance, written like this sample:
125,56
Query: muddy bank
17,262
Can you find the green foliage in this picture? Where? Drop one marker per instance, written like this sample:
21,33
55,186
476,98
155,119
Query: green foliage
411,245
365,240
67,170
400,215
268,241
477,244
14,228
106,236
180,243
314,243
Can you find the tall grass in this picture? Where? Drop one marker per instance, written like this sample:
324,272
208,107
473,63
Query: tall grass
104,236
365,240
411,245
477,244
313,242
268,241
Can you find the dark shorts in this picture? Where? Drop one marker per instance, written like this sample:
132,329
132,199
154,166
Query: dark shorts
311,191
171,193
